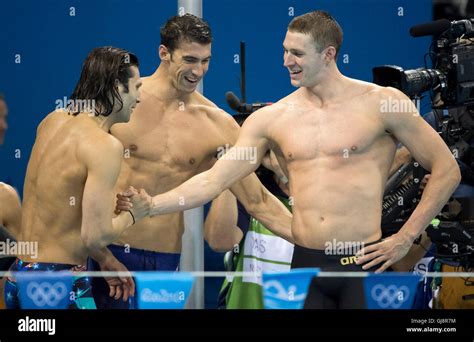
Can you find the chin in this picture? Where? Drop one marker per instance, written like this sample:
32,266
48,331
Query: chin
187,87
188,90
295,83
126,118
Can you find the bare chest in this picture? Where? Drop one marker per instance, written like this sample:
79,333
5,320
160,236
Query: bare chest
326,135
178,144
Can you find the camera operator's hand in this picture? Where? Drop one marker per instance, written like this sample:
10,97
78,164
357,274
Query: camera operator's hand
388,252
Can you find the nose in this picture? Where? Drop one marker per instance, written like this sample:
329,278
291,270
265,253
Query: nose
288,60
198,70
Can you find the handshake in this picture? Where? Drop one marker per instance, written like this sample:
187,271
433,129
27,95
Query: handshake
138,203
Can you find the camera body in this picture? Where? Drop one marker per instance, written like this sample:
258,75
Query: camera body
451,83
452,76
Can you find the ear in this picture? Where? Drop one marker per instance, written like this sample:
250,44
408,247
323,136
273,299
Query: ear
329,53
118,86
164,53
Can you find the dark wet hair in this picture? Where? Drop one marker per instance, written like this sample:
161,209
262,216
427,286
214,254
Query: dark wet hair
187,28
101,68
322,27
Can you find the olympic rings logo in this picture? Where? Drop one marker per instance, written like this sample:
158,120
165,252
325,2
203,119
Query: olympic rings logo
45,293
390,297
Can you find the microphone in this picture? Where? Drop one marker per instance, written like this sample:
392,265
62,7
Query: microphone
457,28
232,100
234,103
431,28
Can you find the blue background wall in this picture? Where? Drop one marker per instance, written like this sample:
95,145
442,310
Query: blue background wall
374,34
52,43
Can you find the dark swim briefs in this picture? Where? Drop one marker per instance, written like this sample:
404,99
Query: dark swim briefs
332,292
134,260
81,288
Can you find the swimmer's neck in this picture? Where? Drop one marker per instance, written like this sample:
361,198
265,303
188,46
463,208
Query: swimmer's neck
103,122
330,85
165,88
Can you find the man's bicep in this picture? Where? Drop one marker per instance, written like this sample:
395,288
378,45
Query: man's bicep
96,203
421,140
252,138
98,195
241,160
226,171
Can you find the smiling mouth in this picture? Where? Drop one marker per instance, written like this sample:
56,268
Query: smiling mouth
295,72
191,80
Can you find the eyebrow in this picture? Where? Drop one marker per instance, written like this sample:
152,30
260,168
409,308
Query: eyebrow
194,57
293,50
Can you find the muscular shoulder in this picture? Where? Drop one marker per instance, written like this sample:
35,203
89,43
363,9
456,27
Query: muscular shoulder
100,147
8,194
386,93
199,99
363,92
53,121
223,119
260,121
220,117
392,107
392,101
271,113
382,100
378,95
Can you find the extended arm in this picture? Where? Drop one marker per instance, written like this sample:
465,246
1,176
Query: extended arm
264,206
98,229
427,147
220,228
225,172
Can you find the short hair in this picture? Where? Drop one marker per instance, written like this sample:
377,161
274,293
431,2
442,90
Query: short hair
322,27
187,28
101,68
2,97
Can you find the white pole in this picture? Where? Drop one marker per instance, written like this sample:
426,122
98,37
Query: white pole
192,252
